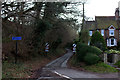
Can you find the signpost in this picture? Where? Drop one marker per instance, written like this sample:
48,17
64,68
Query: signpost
46,48
16,38
74,48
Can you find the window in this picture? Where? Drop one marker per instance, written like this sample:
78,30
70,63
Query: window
89,42
102,32
108,44
111,32
90,33
112,41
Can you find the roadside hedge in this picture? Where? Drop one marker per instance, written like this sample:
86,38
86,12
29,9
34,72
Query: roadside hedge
85,52
91,58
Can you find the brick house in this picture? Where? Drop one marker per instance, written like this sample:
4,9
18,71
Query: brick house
108,26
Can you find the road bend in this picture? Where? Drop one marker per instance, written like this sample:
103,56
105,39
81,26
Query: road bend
59,67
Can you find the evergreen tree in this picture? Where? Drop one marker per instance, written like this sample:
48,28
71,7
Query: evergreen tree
98,41
84,36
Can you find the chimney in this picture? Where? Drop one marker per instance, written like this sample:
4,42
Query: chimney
117,14
119,6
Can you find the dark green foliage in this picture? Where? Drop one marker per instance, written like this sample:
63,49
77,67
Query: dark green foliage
118,45
69,45
94,50
118,63
91,58
98,41
76,41
83,49
56,43
41,27
101,67
84,36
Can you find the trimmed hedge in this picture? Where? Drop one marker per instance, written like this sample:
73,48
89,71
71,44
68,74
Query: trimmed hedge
91,58
84,50
81,50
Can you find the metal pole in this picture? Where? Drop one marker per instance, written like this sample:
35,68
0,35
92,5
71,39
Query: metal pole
16,53
82,22
83,17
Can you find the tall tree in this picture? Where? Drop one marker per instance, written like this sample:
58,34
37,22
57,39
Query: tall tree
98,41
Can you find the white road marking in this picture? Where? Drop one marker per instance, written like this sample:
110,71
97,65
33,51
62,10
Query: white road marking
44,78
62,75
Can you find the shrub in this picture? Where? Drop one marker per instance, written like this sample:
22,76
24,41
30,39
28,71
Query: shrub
94,50
69,45
83,49
101,68
84,36
56,43
117,63
91,58
112,51
118,45
98,41
76,41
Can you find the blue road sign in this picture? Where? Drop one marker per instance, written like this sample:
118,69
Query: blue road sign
16,38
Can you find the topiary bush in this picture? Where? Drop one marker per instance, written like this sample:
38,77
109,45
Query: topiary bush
82,49
95,50
91,58
98,41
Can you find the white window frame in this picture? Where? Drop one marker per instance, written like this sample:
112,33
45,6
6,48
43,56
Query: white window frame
90,33
113,42
102,32
109,42
110,31
89,42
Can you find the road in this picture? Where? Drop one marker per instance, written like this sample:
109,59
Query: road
61,70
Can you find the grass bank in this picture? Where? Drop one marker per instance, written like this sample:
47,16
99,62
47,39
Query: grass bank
26,69
98,68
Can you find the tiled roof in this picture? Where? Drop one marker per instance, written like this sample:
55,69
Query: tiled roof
90,25
101,22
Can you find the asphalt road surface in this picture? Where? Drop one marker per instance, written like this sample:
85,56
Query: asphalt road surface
59,68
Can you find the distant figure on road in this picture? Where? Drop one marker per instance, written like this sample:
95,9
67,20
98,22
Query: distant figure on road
46,48
74,48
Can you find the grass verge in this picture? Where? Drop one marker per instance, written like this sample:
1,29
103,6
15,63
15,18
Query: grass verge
98,68
26,69
101,68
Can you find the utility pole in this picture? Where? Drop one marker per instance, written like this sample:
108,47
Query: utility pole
82,21
83,17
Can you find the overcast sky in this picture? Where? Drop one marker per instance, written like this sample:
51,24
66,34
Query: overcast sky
100,8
